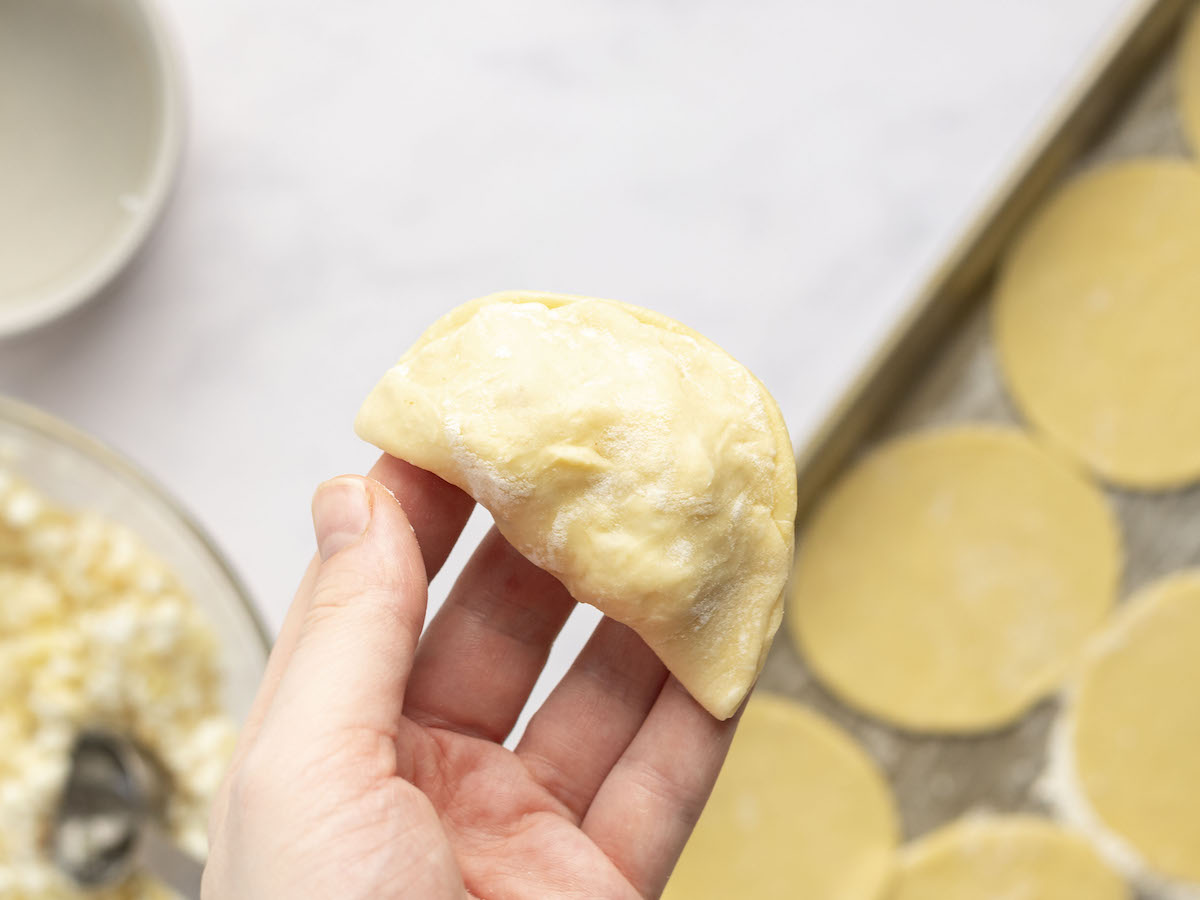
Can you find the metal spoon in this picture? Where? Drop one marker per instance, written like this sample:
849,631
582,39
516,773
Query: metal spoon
109,818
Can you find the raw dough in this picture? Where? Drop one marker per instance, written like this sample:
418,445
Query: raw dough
1134,727
623,453
799,811
1097,320
947,582
1009,858
1189,82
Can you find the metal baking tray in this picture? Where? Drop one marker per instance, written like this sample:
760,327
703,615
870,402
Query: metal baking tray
937,367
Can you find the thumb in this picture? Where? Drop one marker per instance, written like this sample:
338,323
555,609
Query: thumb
356,642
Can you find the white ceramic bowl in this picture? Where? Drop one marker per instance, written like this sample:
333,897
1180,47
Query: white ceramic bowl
91,126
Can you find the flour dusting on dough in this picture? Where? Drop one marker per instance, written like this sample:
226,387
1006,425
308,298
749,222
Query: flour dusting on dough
640,464
1059,788
485,482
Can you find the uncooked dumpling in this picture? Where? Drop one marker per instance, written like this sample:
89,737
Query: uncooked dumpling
623,453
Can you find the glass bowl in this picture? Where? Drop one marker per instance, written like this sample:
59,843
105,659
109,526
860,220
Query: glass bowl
78,472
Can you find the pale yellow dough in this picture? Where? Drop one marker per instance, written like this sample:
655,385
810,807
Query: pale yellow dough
620,451
950,578
1135,727
1097,319
1189,82
799,811
1004,858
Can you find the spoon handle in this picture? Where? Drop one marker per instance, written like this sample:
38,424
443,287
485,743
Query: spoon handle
165,861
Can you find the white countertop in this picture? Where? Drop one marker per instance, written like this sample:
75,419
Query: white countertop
779,175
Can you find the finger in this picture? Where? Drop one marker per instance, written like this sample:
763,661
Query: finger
437,512
591,716
436,509
483,651
355,644
276,663
664,777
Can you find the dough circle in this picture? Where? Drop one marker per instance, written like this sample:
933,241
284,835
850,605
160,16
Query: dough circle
1189,82
1004,858
799,810
622,452
1134,727
1096,321
949,579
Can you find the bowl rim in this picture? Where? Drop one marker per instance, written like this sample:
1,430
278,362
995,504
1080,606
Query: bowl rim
72,291
51,426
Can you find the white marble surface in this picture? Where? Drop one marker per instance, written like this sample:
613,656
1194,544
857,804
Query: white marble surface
778,174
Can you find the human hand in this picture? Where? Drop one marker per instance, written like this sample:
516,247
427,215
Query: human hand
372,765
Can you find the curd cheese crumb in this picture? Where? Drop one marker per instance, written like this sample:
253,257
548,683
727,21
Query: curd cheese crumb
95,630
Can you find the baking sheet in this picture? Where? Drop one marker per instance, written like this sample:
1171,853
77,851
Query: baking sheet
938,779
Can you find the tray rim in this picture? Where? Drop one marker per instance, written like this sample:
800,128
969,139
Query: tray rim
1095,97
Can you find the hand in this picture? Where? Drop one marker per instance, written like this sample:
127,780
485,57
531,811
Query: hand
372,765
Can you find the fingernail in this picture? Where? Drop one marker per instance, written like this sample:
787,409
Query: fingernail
341,512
